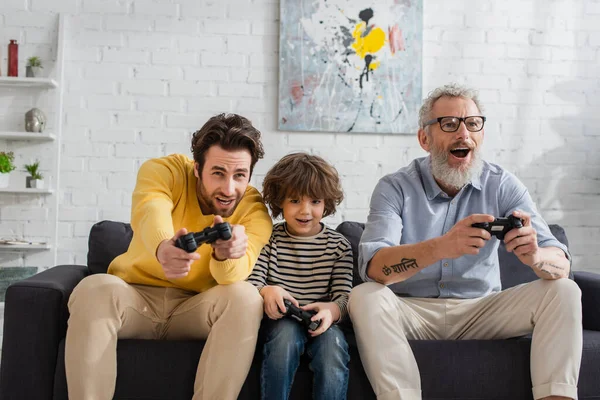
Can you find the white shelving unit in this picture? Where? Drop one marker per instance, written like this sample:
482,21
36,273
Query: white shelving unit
26,191
52,86
24,247
42,83
29,136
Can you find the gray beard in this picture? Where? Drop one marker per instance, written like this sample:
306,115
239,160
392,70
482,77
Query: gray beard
455,178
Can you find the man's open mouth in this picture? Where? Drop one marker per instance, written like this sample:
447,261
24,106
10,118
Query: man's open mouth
224,202
460,152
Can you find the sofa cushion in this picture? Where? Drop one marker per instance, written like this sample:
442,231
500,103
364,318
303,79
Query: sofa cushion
513,272
108,239
353,231
450,369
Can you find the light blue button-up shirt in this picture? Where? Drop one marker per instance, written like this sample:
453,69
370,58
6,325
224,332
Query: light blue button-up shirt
408,206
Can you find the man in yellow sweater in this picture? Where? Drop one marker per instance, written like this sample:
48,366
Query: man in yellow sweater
158,291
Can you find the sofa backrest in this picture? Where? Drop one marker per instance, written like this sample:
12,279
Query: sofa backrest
513,272
108,239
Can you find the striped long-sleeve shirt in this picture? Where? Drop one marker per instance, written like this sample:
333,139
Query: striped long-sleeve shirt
315,268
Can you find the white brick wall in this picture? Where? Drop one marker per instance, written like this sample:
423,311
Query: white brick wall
143,74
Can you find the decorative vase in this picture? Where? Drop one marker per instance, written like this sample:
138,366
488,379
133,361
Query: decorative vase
13,58
4,180
35,120
28,181
37,183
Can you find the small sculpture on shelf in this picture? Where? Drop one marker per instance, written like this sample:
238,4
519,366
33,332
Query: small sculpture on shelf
34,64
35,180
6,167
35,120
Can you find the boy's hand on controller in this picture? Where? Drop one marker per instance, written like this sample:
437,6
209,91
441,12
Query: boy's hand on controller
327,312
273,298
523,241
233,248
463,238
175,262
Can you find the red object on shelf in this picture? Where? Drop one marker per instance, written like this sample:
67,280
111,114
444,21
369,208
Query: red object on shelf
13,58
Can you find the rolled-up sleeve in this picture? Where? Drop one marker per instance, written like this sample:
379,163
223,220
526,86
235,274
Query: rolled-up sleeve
517,197
384,224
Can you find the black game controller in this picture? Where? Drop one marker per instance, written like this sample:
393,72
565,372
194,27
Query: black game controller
301,315
191,241
500,226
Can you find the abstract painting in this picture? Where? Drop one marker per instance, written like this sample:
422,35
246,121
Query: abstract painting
350,65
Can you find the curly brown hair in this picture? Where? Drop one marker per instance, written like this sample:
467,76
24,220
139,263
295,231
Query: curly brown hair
302,174
230,132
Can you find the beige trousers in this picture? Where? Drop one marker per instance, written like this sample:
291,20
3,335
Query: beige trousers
105,308
384,322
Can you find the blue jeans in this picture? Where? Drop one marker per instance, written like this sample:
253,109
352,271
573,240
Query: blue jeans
284,341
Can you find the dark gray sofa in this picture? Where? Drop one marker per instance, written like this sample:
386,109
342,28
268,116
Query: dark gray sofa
35,322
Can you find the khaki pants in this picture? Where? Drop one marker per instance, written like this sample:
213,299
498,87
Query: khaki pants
384,323
104,308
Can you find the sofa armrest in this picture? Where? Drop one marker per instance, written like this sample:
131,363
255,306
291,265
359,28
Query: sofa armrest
35,321
589,283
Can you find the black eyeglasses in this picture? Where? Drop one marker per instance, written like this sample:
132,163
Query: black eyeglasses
451,124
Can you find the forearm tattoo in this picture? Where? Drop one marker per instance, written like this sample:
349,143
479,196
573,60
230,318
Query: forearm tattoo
551,269
404,265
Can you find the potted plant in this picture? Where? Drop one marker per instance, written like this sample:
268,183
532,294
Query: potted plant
34,64
35,179
6,166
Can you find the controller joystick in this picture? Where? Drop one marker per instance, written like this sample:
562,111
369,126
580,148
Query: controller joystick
500,226
192,240
301,315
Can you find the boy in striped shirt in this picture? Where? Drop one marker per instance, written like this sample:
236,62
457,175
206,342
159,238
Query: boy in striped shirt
310,265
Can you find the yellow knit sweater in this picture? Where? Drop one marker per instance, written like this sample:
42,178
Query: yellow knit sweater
164,200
